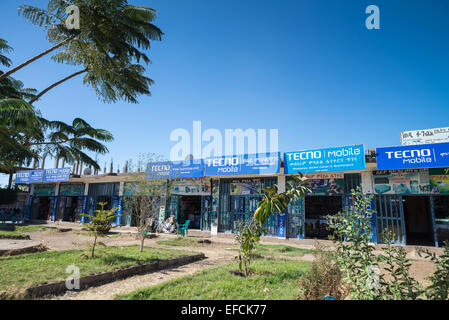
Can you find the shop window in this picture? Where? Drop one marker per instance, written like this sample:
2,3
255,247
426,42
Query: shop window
441,210
352,181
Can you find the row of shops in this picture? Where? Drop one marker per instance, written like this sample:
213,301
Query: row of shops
411,199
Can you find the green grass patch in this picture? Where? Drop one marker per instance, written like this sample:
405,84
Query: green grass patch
270,279
182,242
274,250
33,228
277,250
10,233
21,230
34,268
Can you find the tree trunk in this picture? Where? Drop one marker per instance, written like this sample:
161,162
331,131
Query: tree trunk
10,180
43,162
8,73
93,247
56,162
141,243
56,84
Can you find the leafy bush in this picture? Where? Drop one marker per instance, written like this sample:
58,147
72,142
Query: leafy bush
402,285
352,231
439,281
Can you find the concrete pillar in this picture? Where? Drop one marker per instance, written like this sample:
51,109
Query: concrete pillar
367,182
84,209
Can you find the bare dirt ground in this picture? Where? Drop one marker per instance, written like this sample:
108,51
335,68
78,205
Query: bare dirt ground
216,253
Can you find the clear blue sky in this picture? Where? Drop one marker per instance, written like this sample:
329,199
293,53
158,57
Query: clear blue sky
308,68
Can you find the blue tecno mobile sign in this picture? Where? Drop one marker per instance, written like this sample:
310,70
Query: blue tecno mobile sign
325,160
47,175
29,176
176,169
413,157
55,175
261,163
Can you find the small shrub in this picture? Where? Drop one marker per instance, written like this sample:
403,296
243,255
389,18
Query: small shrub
439,281
247,236
401,286
325,278
100,224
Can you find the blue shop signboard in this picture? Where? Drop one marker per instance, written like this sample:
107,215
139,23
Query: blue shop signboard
325,160
260,163
413,157
55,175
29,176
176,169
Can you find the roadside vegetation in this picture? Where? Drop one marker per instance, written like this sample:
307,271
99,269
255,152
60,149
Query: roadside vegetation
355,271
276,250
184,242
270,279
21,271
276,271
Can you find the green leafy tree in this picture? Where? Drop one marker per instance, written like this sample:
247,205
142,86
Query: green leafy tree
273,202
108,46
142,196
100,223
247,235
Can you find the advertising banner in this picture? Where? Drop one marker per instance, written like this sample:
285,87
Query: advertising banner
413,157
261,163
401,181
439,180
191,188
245,187
30,176
56,175
327,187
75,189
176,169
426,136
44,190
325,160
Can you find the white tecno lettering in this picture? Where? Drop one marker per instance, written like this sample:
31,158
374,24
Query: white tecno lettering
408,154
305,155
162,167
221,162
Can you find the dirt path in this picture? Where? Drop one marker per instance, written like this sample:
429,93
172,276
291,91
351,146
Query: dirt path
108,291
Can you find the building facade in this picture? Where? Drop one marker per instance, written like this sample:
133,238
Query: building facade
410,200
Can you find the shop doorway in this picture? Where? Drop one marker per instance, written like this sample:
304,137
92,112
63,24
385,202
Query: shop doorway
418,221
69,208
106,199
42,208
190,209
316,208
